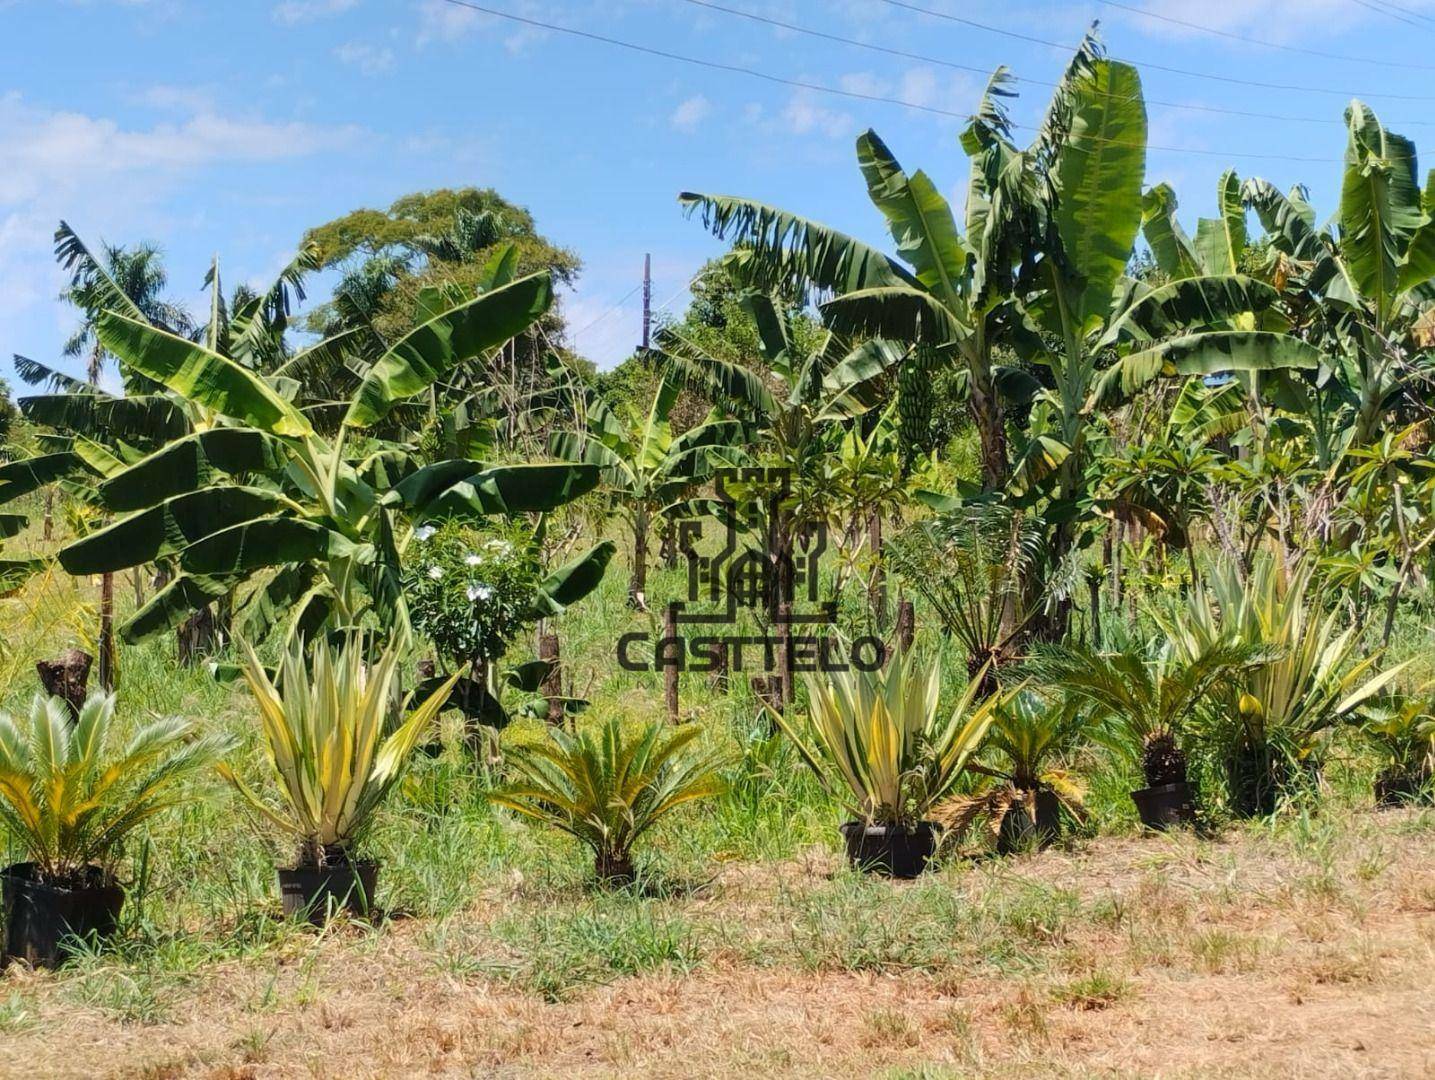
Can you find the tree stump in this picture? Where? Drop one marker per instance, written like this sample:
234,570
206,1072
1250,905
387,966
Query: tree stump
552,687
906,625
68,678
196,636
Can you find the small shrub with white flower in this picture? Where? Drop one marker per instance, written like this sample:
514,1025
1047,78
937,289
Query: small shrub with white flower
470,591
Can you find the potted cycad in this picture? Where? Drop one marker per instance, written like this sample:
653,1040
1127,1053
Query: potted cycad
338,740
878,741
1146,702
1402,731
1025,792
71,791
607,789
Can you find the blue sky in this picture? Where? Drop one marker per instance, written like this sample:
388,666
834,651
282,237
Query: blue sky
230,127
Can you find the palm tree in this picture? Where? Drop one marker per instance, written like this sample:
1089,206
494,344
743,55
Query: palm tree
138,276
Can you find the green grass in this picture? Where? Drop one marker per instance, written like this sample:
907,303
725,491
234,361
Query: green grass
501,901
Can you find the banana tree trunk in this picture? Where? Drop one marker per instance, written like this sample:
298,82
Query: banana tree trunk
780,587
991,430
108,674
638,581
877,589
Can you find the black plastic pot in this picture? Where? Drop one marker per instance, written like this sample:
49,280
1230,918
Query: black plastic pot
42,919
1398,787
1165,805
890,849
1021,828
316,893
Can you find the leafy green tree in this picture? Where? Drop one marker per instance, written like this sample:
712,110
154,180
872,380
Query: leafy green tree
426,240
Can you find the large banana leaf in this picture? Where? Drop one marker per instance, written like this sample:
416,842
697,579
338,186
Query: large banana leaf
148,418
1418,265
196,374
1099,169
431,350
30,474
919,219
1189,304
1175,255
167,528
898,312
1203,354
190,463
1287,219
783,249
506,489
715,377
1379,207
272,541
574,580
173,604
1220,242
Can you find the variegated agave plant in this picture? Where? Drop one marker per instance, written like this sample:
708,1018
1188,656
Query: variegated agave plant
877,737
337,738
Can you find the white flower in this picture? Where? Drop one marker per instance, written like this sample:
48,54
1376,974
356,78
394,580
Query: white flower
479,592
472,560
435,572
423,532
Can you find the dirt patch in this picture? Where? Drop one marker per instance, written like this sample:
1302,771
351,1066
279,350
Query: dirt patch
1253,956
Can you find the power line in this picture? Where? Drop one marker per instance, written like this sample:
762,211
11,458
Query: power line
1064,47
1407,11
842,92
939,61
1263,43
616,305
1391,14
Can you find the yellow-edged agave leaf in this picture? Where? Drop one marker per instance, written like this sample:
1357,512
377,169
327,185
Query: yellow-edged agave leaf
881,736
333,734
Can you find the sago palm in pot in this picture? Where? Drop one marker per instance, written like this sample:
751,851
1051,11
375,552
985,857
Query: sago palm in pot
71,792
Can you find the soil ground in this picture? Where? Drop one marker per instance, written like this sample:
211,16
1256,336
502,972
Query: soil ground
1306,949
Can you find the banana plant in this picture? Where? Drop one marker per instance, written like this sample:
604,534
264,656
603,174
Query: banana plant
1101,334
1368,284
797,399
256,495
950,299
649,472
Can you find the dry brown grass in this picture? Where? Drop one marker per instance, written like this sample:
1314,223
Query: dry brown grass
1250,956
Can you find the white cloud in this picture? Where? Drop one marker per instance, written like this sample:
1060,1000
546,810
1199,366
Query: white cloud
369,59
293,12
106,177
804,114
441,22
690,113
